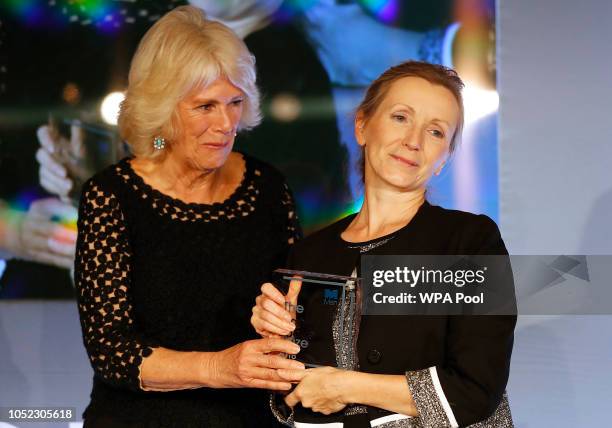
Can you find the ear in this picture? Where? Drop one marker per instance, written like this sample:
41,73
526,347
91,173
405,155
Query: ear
359,125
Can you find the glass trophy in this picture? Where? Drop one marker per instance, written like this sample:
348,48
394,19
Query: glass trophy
326,310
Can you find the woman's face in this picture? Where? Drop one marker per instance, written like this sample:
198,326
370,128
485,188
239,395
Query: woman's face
208,120
407,138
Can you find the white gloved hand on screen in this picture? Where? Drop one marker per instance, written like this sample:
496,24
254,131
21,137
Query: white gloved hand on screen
46,233
54,156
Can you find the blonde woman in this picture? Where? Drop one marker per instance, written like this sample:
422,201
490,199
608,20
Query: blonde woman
173,242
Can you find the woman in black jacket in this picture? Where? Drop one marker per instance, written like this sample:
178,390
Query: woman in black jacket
409,371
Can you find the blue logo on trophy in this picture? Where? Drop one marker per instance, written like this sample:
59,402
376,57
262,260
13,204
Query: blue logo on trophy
330,296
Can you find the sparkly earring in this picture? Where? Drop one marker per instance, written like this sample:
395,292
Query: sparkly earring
159,143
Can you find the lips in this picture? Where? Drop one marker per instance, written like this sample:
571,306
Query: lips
215,145
405,160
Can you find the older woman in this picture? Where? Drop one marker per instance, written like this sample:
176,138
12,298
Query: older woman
409,371
174,242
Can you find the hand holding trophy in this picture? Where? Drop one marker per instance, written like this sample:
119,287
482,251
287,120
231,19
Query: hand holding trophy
312,310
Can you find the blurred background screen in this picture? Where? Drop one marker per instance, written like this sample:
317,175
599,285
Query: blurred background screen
64,64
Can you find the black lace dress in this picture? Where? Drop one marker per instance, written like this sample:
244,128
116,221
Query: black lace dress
153,271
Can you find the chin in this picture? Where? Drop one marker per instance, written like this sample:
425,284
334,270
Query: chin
401,180
214,159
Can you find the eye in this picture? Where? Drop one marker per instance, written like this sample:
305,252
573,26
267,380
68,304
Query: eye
398,117
436,133
206,107
237,102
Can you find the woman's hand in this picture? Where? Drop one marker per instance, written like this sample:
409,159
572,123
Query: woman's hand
328,390
274,313
253,364
321,389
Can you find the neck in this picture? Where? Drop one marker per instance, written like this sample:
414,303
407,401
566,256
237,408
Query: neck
384,211
185,179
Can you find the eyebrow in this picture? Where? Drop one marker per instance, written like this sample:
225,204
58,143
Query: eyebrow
442,121
202,101
407,107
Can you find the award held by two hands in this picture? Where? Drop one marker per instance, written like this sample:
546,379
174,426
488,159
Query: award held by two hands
326,310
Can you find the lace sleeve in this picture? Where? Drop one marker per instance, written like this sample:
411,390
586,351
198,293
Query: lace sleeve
294,231
102,277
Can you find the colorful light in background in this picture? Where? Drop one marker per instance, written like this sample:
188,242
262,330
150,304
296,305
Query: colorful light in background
290,9
25,197
21,203
474,45
473,184
108,16
316,214
103,14
15,211
30,12
385,10
50,218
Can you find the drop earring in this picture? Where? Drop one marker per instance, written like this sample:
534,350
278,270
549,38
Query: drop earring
159,143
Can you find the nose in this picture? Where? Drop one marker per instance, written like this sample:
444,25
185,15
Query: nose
413,139
224,123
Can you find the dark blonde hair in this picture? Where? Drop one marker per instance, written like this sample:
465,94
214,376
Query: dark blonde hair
433,73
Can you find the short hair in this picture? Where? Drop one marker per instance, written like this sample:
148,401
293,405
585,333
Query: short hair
181,52
433,73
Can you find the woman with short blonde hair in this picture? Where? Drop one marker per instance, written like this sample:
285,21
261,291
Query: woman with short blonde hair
182,51
173,242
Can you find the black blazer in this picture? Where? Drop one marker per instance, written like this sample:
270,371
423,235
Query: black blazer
471,353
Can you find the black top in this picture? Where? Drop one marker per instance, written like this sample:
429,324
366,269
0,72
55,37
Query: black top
153,271
471,354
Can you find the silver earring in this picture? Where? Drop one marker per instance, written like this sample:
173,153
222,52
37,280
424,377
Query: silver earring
159,143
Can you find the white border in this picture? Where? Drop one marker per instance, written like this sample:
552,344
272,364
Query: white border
328,425
389,418
438,387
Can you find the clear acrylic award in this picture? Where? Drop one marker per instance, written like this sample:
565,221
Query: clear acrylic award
326,310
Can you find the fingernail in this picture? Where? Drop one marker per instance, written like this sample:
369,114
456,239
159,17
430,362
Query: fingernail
299,366
289,326
296,349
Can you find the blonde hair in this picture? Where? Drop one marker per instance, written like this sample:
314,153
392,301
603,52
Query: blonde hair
181,52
